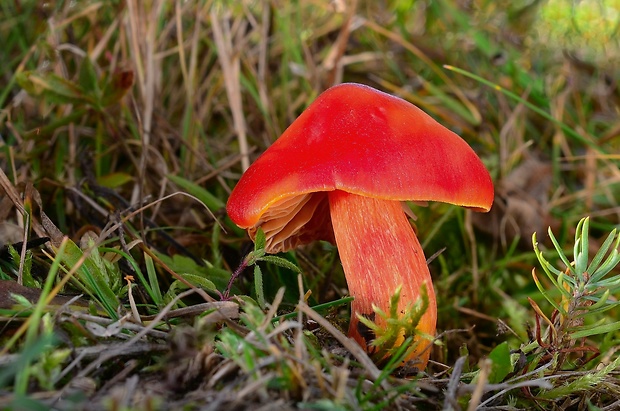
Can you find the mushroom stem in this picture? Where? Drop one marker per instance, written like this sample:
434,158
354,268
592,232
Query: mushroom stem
379,252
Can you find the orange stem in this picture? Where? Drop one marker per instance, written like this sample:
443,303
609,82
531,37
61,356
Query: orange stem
379,252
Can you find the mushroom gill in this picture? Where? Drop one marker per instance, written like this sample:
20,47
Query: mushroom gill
294,221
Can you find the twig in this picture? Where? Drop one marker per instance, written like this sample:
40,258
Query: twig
450,402
483,376
127,325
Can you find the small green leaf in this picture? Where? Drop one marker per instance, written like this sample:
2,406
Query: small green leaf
198,281
598,258
90,275
592,407
464,352
152,285
611,282
282,262
259,240
105,272
182,264
597,329
212,202
53,88
581,248
609,264
601,302
27,278
87,78
502,365
561,254
21,300
544,292
254,256
258,287
551,271
114,180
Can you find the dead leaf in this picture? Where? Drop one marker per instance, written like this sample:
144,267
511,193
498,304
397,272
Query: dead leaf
10,233
521,206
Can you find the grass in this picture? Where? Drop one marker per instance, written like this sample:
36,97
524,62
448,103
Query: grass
125,125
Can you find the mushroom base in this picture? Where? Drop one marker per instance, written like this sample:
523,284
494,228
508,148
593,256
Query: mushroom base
379,251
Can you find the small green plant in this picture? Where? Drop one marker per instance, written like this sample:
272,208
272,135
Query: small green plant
252,259
95,275
267,352
585,289
399,336
552,366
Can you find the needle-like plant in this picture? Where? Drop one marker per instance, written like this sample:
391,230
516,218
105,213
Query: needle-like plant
586,288
399,331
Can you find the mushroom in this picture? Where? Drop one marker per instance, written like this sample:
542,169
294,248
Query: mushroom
340,173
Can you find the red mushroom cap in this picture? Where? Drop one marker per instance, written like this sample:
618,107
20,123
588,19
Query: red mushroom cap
359,140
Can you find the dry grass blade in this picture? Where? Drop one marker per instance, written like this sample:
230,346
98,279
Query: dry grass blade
224,310
485,369
142,24
15,198
360,355
398,39
136,338
228,56
450,401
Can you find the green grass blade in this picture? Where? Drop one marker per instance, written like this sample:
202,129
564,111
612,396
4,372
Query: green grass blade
572,133
212,202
